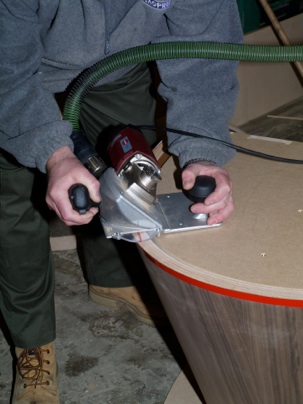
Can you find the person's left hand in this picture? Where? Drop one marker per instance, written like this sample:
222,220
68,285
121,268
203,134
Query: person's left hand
219,204
65,170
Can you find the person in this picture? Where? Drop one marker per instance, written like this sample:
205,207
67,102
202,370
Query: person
44,46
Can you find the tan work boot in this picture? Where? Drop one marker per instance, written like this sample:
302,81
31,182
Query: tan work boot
149,312
36,376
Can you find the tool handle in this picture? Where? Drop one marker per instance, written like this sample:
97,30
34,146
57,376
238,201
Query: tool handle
204,185
86,153
80,200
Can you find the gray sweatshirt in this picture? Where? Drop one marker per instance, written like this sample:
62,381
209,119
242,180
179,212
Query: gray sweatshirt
45,44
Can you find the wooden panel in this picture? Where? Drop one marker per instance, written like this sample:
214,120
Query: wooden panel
258,249
266,86
240,352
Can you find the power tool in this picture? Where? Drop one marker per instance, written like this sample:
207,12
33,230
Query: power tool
130,208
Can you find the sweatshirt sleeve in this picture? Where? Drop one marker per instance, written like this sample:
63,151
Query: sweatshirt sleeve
200,93
31,128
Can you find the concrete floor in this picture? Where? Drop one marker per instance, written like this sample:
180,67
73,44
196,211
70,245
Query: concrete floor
104,355
107,356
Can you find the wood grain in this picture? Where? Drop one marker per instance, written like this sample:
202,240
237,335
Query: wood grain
240,352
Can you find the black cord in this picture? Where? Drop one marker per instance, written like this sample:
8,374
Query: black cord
228,144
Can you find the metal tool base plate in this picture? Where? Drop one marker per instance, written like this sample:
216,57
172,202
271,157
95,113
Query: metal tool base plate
176,209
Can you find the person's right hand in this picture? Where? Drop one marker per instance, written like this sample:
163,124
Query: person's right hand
65,170
219,204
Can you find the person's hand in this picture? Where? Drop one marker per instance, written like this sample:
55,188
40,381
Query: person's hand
65,170
219,204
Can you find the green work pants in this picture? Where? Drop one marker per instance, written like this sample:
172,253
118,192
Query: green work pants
26,268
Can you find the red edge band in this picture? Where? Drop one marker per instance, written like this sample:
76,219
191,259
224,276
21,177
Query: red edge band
226,292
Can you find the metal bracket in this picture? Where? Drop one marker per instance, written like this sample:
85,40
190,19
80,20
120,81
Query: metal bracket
176,210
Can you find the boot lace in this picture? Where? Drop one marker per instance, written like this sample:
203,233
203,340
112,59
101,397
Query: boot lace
30,366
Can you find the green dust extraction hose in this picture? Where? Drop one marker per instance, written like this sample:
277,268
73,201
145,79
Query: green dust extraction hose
171,50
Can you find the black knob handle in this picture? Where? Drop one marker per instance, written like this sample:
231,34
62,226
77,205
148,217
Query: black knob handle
204,186
80,200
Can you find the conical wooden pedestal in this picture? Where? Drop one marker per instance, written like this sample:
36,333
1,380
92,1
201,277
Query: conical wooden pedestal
234,294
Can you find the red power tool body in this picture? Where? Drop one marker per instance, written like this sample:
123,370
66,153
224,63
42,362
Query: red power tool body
127,142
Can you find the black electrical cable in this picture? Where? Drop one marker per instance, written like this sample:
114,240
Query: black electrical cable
228,144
